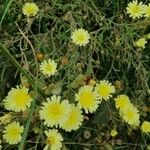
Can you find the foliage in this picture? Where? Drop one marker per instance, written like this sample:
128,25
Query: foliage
111,54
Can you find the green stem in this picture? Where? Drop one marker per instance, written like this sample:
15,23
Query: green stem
24,136
33,82
13,60
23,71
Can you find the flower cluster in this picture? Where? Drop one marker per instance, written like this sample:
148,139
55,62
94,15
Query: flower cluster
127,111
18,100
89,96
57,112
79,37
137,10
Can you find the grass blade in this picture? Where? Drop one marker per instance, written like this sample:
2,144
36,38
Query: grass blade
23,140
22,70
5,11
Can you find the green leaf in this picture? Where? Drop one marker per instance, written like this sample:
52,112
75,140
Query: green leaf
101,116
108,147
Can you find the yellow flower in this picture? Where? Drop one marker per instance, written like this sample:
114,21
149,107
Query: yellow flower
54,140
146,127
75,119
146,10
113,133
18,99
12,133
130,114
87,98
55,112
135,10
5,119
80,37
48,68
141,43
105,89
30,9
122,101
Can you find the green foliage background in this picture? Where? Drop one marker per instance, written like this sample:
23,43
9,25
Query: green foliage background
110,55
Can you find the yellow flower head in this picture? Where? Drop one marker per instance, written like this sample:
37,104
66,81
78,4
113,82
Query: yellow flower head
130,114
54,140
122,101
146,127
18,99
87,98
75,119
113,133
105,89
146,10
141,43
55,112
48,67
135,10
30,9
80,37
12,133
5,119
